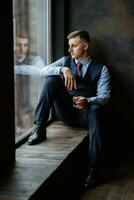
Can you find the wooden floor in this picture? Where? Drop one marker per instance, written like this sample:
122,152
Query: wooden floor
117,183
35,164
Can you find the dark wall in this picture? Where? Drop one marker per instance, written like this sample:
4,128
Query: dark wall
111,26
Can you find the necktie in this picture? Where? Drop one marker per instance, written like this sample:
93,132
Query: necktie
79,66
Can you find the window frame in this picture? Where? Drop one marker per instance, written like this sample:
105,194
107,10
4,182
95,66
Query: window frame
56,35
44,29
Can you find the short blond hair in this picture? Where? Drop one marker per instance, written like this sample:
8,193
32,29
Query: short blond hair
84,35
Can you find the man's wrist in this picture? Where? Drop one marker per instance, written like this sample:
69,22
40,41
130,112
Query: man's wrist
61,70
64,69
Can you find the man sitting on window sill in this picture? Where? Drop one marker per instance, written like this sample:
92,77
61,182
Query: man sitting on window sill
79,88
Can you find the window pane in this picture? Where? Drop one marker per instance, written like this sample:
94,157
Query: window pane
31,52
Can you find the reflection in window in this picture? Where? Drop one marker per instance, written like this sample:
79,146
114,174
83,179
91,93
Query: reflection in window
31,53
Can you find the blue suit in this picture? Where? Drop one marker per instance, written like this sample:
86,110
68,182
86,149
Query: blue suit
55,94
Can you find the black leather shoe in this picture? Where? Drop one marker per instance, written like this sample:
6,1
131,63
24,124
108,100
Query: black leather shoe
92,179
38,135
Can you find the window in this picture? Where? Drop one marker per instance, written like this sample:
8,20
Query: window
32,50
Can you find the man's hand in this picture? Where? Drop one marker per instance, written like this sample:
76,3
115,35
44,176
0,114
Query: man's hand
80,102
70,81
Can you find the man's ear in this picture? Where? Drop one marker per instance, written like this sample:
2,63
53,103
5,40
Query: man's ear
86,46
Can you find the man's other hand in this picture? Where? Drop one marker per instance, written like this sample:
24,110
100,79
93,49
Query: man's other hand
80,102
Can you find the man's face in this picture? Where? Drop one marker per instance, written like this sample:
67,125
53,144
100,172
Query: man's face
78,48
22,45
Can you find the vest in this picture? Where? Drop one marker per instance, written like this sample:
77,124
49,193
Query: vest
86,86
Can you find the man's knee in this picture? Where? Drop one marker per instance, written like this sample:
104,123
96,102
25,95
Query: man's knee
94,108
53,82
94,112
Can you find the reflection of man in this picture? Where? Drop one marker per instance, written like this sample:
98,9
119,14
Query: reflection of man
30,64
25,64
79,88
22,46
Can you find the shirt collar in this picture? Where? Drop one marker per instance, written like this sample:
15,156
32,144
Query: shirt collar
84,61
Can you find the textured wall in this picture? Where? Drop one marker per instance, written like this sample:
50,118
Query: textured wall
111,26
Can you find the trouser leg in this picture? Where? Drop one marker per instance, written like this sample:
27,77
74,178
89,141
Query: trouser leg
94,128
55,92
